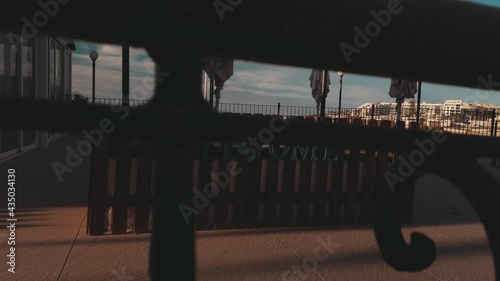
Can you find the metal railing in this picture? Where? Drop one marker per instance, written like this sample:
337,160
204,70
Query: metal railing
478,122
118,102
469,122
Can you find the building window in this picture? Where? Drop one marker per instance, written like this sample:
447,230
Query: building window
28,69
8,88
67,76
8,76
28,73
2,61
52,69
18,79
58,71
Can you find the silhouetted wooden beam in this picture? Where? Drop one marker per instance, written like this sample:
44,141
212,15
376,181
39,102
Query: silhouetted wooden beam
125,75
446,42
199,123
172,251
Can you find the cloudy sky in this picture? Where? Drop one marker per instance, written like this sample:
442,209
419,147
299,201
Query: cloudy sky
253,83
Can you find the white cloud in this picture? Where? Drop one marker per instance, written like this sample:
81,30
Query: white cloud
109,73
260,93
110,50
251,83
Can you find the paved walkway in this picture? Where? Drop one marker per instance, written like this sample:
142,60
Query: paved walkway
57,248
52,244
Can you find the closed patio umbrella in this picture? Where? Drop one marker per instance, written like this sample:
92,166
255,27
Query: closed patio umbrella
316,79
401,90
219,70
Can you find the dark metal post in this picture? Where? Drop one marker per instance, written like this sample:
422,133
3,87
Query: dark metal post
373,111
494,160
125,75
493,135
340,95
323,94
493,116
212,86
93,81
279,107
419,96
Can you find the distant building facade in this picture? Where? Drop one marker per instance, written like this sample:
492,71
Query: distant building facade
36,68
387,110
452,107
447,113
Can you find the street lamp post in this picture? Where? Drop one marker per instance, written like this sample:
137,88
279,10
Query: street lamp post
94,55
341,75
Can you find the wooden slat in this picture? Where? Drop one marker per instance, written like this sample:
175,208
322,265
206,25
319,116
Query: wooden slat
351,214
204,179
409,196
326,120
368,187
271,193
254,170
337,181
288,193
382,162
383,155
343,121
98,187
122,184
173,232
240,195
303,206
222,200
402,126
321,176
143,190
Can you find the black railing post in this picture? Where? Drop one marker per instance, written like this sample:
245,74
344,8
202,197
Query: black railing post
373,111
279,107
493,116
93,81
419,96
493,134
211,89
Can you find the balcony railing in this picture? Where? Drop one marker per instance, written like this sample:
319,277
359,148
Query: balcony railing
118,102
468,122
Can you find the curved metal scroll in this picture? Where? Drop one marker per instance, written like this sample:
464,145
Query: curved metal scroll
463,171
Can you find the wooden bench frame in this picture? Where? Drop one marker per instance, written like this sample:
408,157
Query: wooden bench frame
344,188
407,49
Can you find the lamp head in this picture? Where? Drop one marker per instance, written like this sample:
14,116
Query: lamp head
94,55
340,73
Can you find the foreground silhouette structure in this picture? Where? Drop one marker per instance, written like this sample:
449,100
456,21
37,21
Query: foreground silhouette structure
446,42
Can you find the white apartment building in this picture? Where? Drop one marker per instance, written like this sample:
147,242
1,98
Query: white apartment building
452,107
387,110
